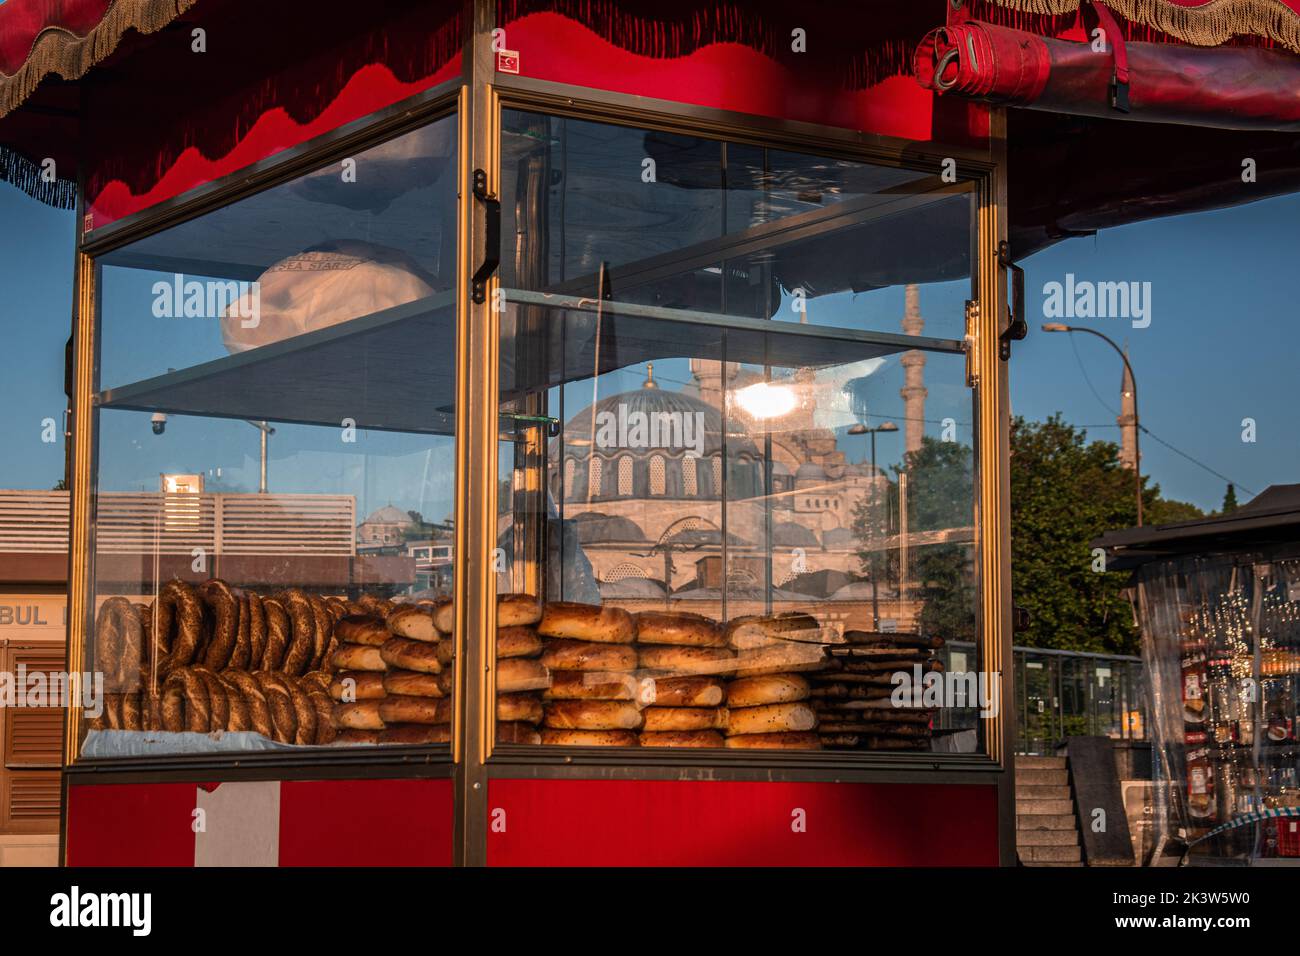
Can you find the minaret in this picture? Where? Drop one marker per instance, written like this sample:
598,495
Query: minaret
1127,420
711,378
913,390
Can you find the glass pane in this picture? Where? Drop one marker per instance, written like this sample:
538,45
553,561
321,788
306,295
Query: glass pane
273,535
690,223
742,520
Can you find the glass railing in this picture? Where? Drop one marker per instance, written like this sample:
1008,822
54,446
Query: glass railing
1062,694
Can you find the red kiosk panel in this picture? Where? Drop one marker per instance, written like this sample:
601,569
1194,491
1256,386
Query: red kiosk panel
739,823
262,823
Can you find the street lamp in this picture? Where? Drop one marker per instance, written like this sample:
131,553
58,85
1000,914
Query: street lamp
1137,427
861,429
159,423
266,431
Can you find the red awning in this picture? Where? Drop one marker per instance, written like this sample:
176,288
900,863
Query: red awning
1223,87
67,37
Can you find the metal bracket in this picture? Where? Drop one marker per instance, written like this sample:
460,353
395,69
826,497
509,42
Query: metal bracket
971,340
487,238
1016,328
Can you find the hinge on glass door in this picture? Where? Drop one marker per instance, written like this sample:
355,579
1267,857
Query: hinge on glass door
487,238
970,340
1016,328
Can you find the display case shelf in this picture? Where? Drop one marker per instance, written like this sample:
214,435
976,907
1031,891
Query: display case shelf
603,336
391,370
394,370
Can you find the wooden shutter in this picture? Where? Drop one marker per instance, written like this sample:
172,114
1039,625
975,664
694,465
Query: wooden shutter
33,800
32,750
33,736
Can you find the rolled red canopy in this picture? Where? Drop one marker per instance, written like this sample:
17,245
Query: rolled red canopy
1225,87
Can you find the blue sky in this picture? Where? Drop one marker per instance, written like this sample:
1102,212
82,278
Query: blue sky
1220,348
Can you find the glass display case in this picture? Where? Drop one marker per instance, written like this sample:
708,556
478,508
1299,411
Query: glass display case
275,404
1221,646
735,416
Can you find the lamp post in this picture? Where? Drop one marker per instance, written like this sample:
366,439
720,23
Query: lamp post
266,431
860,429
1137,427
159,424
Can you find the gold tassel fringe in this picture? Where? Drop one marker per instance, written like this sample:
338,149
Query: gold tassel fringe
56,50
1210,24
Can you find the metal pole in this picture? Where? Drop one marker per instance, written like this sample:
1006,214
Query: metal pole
1137,422
875,573
262,485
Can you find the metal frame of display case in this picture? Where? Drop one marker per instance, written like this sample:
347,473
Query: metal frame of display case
473,759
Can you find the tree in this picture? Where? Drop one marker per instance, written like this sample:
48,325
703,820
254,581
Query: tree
1230,500
1168,511
940,498
1065,493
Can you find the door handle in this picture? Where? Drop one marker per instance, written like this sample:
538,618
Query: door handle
487,237
1016,328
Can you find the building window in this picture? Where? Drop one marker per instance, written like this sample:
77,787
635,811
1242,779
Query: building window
690,487
594,476
717,477
625,476
570,466
622,571
657,475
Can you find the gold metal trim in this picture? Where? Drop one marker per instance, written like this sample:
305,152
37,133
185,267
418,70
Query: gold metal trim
562,99
994,525
476,456
80,597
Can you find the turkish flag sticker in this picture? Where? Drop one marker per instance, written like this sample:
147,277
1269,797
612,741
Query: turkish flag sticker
507,61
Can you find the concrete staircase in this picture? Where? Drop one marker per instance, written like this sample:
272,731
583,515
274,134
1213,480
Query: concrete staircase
1047,833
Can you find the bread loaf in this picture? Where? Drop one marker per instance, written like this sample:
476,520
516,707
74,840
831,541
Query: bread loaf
417,683
769,689
444,616
591,685
403,709
592,715
416,734
517,610
362,715
694,630
521,673
517,733
587,622
568,655
754,631
686,660
445,652
358,657
663,719
771,718
349,686
684,692
413,621
517,642
781,659
407,654
522,708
